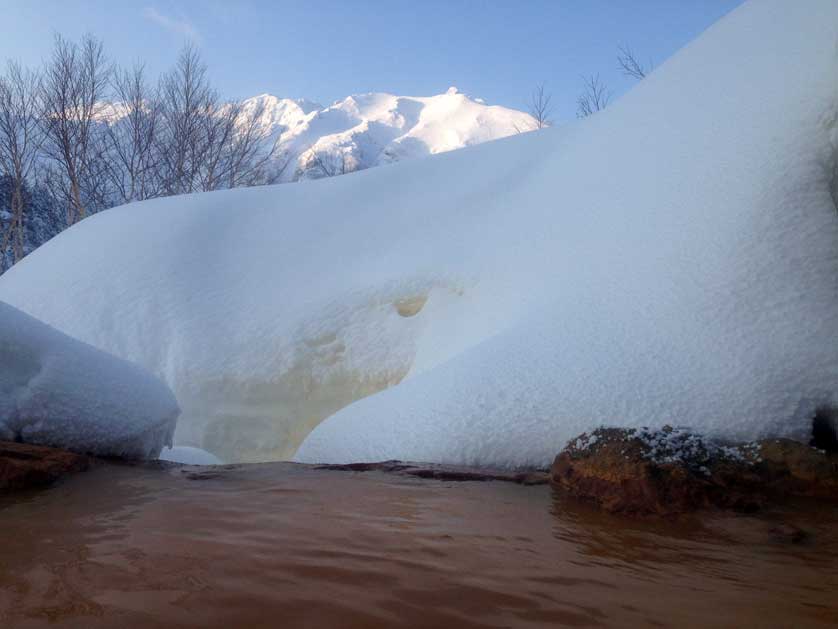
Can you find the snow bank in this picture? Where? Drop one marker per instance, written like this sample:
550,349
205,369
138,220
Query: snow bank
60,392
673,260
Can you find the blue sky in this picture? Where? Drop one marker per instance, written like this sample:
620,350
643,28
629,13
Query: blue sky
325,50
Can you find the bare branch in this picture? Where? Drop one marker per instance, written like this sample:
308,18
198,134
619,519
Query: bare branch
594,98
540,107
20,141
131,159
331,163
629,64
72,97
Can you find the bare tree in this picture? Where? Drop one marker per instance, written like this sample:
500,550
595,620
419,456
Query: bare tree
331,163
207,144
540,107
73,89
131,164
629,64
20,141
186,100
594,98
252,156
219,126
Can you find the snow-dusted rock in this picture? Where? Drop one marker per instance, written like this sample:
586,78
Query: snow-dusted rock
60,392
671,471
672,259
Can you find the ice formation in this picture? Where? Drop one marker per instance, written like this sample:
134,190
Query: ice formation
60,392
671,260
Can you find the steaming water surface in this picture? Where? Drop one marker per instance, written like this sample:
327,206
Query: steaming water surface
282,545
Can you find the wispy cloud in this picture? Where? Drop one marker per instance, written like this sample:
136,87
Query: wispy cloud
180,26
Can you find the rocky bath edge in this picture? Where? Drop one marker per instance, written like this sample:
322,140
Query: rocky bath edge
638,472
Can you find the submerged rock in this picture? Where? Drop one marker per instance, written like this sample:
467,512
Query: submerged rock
785,533
671,471
24,466
445,472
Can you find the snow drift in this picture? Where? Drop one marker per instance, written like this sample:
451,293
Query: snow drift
60,392
673,259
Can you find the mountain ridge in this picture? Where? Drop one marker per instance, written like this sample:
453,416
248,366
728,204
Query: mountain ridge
374,128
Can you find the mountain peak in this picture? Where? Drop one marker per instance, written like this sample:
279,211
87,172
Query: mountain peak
372,128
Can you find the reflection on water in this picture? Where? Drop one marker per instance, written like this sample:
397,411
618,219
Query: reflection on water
280,545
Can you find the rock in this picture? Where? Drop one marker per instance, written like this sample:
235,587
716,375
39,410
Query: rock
671,471
789,534
24,466
796,468
625,471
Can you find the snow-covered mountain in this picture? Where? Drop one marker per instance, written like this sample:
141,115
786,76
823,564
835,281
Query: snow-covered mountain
365,130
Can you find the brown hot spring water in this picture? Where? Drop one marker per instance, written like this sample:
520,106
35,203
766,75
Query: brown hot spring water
279,545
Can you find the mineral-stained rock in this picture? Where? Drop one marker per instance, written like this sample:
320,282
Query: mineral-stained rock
24,466
670,471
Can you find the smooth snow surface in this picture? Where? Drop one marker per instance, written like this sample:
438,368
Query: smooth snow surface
673,259
60,392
